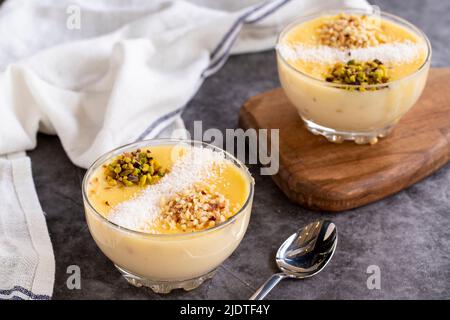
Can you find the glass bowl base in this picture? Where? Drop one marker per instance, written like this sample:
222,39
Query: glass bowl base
159,286
337,136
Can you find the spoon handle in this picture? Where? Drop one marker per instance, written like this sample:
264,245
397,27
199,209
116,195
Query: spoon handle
262,292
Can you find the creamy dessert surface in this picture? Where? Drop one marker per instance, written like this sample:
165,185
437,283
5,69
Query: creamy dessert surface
193,189
314,47
371,71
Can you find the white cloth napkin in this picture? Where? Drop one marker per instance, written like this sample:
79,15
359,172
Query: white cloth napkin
125,74
27,265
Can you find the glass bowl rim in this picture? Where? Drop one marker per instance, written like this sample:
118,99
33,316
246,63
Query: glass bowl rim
337,10
161,141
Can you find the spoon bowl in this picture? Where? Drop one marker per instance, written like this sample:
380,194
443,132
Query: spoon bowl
304,254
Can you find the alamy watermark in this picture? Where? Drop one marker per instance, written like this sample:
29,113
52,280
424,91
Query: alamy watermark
249,146
73,21
73,281
374,280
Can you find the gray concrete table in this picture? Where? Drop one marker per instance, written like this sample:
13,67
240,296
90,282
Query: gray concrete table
407,235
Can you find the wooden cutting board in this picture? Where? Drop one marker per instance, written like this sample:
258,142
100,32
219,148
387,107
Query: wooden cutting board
321,175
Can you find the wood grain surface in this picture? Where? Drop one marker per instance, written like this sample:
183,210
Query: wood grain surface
321,175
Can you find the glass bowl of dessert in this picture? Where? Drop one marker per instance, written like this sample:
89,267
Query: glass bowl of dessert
352,73
167,212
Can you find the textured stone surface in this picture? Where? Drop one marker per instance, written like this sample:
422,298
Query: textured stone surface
406,235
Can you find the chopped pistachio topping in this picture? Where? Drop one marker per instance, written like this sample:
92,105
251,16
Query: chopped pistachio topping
358,73
134,168
350,32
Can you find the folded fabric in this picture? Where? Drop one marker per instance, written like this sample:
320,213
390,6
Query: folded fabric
125,74
27,265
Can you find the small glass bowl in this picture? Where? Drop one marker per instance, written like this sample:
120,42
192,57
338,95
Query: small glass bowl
164,262
328,109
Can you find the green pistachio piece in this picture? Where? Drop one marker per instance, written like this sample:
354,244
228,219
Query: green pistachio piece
133,178
128,183
142,181
133,168
358,74
125,173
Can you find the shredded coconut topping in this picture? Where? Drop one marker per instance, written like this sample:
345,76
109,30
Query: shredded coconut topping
140,212
396,52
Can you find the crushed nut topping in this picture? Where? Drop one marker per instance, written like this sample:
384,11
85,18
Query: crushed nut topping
351,32
134,168
197,208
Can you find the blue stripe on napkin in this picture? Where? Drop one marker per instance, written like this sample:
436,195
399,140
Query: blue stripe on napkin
223,47
20,293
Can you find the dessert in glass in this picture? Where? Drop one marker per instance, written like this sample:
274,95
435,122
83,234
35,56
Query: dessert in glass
167,212
352,73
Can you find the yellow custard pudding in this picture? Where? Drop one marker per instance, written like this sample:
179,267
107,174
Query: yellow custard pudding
352,74
168,212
